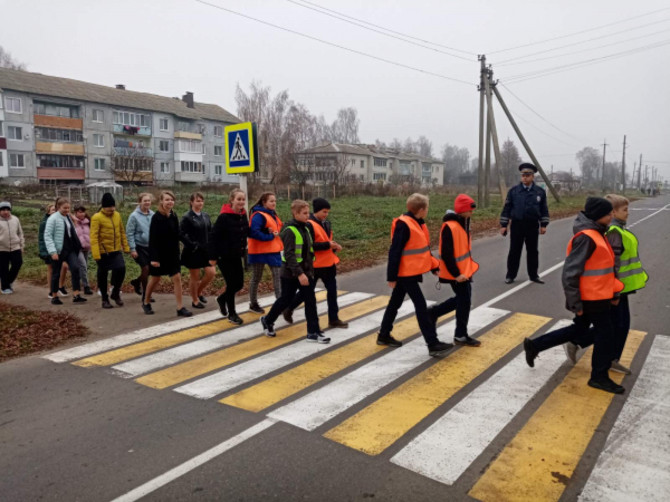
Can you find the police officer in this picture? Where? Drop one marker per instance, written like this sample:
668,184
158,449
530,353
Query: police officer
526,208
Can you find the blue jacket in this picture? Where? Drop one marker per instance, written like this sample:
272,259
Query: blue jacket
258,231
528,205
54,233
137,228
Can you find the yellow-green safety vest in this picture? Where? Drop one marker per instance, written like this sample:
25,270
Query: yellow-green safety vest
298,243
631,272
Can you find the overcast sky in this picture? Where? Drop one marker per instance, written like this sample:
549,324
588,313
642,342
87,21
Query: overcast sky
171,46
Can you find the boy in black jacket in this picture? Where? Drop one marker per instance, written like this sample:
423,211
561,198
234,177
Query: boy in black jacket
297,274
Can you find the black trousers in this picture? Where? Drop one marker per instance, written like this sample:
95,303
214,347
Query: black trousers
290,288
412,288
461,303
327,276
528,232
111,261
602,336
72,259
232,271
10,264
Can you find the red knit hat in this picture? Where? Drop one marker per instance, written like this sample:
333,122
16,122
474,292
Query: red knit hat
464,203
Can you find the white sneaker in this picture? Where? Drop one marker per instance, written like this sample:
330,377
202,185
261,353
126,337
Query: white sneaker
7,291
318,338
570,351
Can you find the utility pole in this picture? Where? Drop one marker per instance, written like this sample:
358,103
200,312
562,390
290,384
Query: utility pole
639,174
623,167
525,144
605,145
487,165
494,134
480,166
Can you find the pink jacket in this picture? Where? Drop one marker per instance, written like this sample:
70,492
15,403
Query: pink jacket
83,228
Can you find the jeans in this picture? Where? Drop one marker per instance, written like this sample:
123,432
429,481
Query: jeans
233,273
327,276
461,303
72,259
111,261
410,287
289,288
10,264
83,267
256,275
601,336
528,232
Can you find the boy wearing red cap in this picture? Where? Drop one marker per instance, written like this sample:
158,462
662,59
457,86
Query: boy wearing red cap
457,267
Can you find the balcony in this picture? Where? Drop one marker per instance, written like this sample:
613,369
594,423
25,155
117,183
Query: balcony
3,143
126,151
59,148
188,135
61,173
59,122
132,130
189,177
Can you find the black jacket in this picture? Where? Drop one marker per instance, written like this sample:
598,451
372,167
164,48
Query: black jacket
164,239
228,238
290,268
528,205
194,231
447,248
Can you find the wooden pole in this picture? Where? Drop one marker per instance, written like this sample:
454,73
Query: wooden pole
480,166
525,144
487,165
494,135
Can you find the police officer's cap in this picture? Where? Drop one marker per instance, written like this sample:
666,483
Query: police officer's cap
526,166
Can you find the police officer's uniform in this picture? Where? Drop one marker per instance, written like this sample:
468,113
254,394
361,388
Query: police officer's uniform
526,208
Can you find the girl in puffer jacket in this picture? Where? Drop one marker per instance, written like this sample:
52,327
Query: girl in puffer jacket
82,224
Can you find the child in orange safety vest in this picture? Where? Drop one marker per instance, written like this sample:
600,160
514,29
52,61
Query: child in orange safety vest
409,259
591,288
457,268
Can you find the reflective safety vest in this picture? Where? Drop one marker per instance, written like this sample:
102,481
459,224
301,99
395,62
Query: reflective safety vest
299,243
598,281
324,258
416,258
462,249
631,272
256,246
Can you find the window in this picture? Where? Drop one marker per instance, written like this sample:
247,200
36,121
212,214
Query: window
99,164
14,133
379,176
56,110
165,167
218,151
379,162
163,146
131,119
218,170
163,124
1,164
362,164
16,160
218,131
188,145
98,115
191,167
58,135
67,161
13,105
98,140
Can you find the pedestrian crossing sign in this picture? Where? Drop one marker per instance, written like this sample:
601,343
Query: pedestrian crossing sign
241,148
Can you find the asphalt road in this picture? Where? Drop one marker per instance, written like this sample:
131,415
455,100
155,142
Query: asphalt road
84,433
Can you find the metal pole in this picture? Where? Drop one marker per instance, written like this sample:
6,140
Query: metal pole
623,167
480,166
639,174
494,135
525,144
243,186
487,169
602,177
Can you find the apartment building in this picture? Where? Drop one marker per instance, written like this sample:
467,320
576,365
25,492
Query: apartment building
55,129
368,164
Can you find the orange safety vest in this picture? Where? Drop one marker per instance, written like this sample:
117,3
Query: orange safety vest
276,245
327,257
416,258
598,281
462,250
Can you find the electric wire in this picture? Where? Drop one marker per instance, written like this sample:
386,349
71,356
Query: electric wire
379,31
342,47
579,32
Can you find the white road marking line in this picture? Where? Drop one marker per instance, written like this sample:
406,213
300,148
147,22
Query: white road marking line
649,216
448,447
195,462
227,379
635,462
319,406
173,355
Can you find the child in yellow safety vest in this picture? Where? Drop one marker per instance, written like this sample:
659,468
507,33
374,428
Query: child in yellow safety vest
409,259
457,268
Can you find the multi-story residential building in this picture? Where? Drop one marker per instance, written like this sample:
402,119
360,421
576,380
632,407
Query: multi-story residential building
55,129
367,164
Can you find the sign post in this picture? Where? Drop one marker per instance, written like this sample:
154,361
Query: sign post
242,152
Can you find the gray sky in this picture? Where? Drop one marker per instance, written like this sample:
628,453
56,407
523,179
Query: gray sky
171,46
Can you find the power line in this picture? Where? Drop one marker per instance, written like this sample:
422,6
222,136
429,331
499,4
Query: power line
325,42
579,32
387,29
514,61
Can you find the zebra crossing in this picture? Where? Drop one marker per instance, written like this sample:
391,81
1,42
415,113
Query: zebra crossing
396,403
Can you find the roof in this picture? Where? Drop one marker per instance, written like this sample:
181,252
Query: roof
368,150
339,148
58,87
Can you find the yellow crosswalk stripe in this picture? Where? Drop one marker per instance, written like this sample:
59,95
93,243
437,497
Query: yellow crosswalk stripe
378,426
539,462
115,356
273,390
224,357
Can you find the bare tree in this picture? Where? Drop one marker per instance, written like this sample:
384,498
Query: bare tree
7,61
131,165
590,163
510,161
345,127
456,163
424,147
